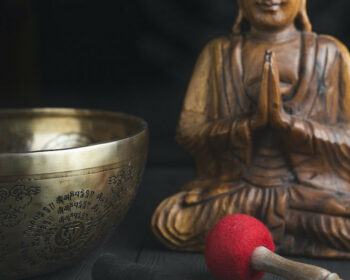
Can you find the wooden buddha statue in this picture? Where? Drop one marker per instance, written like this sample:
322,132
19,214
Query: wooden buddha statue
267,119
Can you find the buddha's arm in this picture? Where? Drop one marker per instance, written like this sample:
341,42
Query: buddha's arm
331,141
310,136
198,135
206,124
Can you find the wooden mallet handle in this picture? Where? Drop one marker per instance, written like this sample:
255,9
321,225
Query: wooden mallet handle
265,260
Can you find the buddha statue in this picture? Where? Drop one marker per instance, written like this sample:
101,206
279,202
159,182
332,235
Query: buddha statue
267,119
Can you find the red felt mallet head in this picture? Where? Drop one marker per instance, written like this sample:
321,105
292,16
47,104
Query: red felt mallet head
230,246
240,246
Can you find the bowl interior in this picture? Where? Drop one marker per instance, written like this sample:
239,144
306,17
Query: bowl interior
55,129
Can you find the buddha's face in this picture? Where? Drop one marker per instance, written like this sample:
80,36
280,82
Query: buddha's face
270,14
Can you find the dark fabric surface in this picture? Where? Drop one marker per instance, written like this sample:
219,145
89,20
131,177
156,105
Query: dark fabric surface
133,241
112,267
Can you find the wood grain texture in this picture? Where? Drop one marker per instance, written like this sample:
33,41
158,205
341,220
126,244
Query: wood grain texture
265,260
266,118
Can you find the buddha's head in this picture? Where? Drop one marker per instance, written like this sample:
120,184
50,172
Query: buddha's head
272,15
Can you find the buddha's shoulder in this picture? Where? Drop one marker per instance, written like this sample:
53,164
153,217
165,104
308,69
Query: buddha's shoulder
221,42
331,44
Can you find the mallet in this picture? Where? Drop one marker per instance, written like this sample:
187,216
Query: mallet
240,247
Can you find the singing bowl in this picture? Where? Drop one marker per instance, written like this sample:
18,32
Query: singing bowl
67,178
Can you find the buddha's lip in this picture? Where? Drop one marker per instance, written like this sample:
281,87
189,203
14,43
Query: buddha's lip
270,5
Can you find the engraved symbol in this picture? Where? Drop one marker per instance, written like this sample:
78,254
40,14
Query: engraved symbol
73,223
68,227
120,182
69,234
14,202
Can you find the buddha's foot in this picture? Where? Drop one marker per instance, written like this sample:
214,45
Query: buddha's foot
183,227
182,221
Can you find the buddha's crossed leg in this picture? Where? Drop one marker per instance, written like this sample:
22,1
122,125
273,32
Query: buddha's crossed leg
303,220
318,223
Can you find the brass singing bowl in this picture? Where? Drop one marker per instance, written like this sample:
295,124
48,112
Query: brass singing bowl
67,178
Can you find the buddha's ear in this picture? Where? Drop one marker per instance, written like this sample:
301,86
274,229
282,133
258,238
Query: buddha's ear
303,18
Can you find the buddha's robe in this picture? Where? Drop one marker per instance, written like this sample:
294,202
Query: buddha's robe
296,181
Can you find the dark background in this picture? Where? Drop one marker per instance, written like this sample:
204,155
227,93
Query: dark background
133,56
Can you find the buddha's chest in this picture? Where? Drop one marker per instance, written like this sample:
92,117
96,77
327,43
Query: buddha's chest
288,62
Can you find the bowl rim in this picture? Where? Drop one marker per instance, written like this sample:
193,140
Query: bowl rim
75,111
